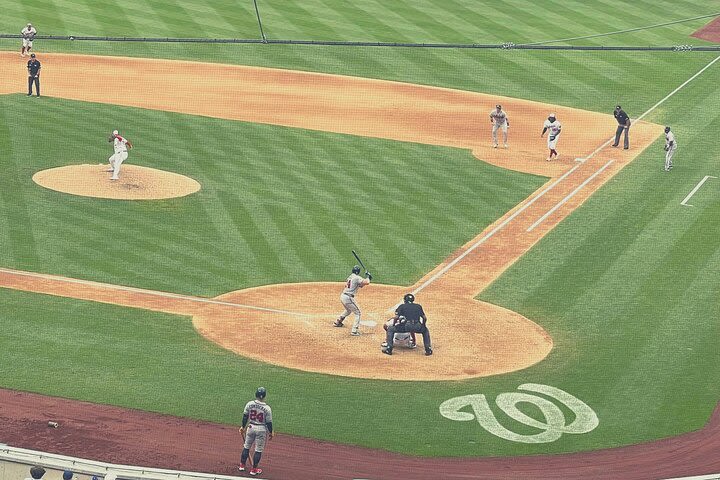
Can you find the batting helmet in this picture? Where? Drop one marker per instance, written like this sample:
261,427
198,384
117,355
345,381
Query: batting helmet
667,129
260,393
356,269
409,298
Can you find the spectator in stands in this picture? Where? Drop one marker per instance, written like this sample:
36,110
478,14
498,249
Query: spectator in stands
36,473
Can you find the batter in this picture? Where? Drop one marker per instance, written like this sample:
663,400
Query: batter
352,284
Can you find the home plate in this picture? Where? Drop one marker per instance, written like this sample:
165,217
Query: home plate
368,323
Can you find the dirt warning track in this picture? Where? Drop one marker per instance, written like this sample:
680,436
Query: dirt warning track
495,340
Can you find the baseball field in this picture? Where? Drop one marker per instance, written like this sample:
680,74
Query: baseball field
573,304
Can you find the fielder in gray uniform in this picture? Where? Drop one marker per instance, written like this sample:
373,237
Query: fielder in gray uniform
499,120
353,283
256,429
670,147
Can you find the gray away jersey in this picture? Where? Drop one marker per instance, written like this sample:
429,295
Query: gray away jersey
259,413
352,284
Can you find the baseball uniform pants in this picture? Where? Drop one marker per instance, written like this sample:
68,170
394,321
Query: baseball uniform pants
618,132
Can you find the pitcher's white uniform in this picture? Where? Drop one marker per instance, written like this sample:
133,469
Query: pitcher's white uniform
353,283
499,119
120,145
670,147
28,33
259,414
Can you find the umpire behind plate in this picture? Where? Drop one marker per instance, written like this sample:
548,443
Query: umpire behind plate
409,318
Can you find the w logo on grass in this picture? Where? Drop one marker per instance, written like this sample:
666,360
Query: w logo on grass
552,428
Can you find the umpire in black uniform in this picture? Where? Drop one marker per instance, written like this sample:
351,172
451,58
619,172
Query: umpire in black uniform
623,124
33,67
409,318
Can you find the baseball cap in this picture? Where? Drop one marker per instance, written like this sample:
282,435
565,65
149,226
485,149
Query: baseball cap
617,107
67,475
498,106
32,55
37,472
115,132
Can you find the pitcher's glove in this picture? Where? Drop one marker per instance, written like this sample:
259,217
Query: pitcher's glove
111,138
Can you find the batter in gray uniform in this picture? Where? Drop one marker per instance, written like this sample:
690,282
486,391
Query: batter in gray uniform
256,429
499,120
353,283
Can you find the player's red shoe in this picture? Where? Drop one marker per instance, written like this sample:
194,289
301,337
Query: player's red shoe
256,471
241,468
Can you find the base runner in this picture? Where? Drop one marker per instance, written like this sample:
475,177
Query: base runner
553,126
28,35
256,429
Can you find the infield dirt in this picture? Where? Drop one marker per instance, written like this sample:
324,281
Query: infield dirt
494,340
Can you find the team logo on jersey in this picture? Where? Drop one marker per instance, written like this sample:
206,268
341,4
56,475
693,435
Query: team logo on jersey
553,426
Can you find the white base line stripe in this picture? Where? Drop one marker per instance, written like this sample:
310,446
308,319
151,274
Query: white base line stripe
153,293
678,88
694,190
604,145
715,476
492,232
569,196
442,271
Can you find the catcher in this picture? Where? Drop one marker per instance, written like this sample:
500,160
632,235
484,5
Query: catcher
401,339
409,317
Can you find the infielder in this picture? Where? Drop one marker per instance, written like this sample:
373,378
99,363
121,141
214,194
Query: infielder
353,283
499,120
401,339
28,34
554,126
259,416
120,145
670,147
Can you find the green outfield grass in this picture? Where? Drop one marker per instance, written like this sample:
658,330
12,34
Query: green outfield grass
277,204
627,285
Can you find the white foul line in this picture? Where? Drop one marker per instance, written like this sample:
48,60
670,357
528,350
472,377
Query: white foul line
678,88
604,145
694,190
569,196
447,267
147,292
494,230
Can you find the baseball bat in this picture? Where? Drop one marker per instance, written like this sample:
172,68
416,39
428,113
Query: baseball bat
359,261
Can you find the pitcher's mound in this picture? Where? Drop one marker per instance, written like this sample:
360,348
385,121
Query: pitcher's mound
135,183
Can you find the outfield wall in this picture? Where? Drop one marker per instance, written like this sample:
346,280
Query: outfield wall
15,464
